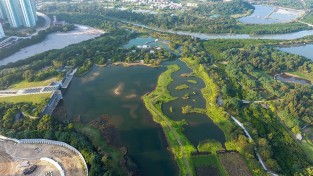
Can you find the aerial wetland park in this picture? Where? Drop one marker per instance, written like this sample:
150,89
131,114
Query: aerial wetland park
156,87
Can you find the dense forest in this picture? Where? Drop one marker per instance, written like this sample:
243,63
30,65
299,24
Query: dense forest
194,21
245,73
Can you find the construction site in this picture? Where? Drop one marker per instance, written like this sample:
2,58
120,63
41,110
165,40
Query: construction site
40,157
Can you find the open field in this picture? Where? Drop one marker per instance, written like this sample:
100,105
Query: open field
12,155
234,164
36,98
208,163
25,84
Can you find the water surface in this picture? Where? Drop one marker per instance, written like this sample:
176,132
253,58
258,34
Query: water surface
303,50
264,14
56,40
200,127
116,92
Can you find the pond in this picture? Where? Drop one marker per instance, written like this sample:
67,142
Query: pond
291,79
115,92
303,50
200,127
270,14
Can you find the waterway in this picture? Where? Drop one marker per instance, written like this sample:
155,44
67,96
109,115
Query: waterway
56,40
115,92
200,127
61,40
203,36
302,50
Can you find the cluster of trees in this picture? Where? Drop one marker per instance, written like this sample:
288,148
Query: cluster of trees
280,152
225,8
298,106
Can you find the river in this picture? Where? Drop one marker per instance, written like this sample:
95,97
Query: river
60,40
56,40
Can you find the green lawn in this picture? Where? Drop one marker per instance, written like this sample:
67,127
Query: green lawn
308,149
25,84
36,98
211,161
308,18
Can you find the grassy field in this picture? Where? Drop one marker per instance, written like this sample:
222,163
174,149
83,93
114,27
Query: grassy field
308,18
234,164
208,163
182,87
178,143
192,81
210,145
36,98
25,84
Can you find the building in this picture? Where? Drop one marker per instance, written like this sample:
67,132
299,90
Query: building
19,12
1,32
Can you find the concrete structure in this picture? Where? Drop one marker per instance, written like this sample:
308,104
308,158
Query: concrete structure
19,12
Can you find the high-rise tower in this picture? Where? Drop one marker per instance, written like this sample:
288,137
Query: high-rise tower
19,12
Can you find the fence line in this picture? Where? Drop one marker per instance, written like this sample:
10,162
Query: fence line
62,144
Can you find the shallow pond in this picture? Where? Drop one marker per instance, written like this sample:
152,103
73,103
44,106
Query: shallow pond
200,127
291,79
269,14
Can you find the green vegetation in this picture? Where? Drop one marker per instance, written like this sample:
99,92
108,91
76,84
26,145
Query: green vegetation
26,84
192,81
189,109
233,161
210,145
225,8
82,138
246,76
186,96
289,3
178,143
182,87
308,18
112,157
204,164
198,20
34,98
235,140
83,55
